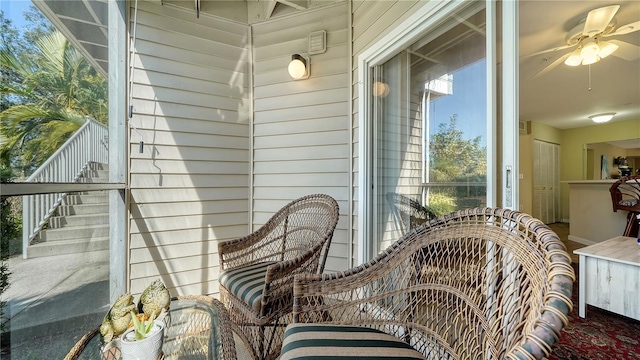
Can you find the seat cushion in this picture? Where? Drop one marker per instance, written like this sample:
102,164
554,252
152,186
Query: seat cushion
628,202
314,341
246,283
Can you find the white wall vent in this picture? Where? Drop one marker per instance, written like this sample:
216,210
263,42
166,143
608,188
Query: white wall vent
317,42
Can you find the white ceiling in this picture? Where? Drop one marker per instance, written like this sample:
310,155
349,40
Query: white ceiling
561,97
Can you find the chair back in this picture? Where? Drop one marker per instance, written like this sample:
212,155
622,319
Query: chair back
478,281
303,226
625,194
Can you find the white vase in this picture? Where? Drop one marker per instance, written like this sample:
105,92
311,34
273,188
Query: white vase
148,348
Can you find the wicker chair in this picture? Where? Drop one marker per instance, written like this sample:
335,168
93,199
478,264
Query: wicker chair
257,271
407,213
480,283
625,195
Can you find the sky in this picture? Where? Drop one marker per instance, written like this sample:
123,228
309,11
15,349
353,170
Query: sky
14,9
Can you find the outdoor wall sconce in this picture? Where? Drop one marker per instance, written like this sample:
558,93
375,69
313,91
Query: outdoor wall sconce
380,89
299,67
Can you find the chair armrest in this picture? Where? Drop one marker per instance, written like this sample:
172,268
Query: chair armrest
346,296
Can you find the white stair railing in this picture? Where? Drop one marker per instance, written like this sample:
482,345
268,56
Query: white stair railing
88,144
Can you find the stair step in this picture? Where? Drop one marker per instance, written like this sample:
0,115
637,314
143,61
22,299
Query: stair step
74,199
57,222
74,246
83,209
73,232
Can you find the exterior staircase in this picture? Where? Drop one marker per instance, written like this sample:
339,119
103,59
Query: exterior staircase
80,223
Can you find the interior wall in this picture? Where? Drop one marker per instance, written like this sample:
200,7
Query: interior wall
191,108
573,141
301,142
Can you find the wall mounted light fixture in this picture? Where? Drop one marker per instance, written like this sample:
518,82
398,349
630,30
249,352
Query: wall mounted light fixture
602,118
299,67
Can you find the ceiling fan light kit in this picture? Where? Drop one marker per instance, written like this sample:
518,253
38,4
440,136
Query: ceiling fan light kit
588,38
602,118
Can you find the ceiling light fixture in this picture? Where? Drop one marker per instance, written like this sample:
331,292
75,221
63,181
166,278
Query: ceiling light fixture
602,118
298,67
590,51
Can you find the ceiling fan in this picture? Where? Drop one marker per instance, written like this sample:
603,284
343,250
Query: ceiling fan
589,38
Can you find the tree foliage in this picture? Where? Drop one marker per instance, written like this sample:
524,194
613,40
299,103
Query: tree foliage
50,88
455,159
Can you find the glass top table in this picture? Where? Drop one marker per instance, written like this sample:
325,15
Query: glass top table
197,328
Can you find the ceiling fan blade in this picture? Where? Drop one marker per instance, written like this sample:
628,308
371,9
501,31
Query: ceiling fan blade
548,51
625,29
626,51
598,19
551,66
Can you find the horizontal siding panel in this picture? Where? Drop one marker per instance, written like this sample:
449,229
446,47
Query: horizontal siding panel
192,249
160,95
233,78
300,127
194,263
196,181
309,112
193,139
157,195
200,112
181,82
191,125
185,222
324,179
309,153
301,166
297,140
187,167
284,192
192,153
319,97
169,52
192,37
219,233
175,287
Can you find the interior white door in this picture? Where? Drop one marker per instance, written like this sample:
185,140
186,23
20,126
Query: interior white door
546,181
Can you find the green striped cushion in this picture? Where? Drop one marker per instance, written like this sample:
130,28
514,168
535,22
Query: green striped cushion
246,282
324,341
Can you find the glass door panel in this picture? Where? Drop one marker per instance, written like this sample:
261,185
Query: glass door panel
429,105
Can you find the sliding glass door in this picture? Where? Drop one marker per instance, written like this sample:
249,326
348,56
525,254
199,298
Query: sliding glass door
434,121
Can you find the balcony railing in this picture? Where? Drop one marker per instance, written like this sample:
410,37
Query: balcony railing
67,165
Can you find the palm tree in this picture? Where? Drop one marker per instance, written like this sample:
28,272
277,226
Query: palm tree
54,90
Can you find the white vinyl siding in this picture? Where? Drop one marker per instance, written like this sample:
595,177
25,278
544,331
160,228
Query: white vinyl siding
371,20
190,186
301,128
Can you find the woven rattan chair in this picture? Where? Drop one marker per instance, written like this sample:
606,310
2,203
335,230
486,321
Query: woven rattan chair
257,271
480,283
625,195
407,213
